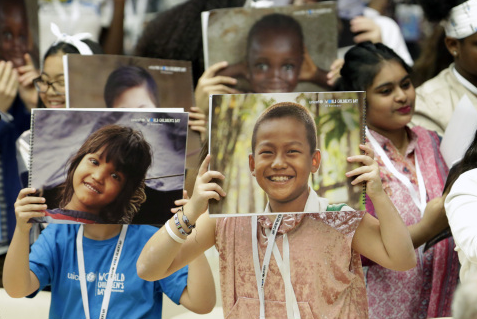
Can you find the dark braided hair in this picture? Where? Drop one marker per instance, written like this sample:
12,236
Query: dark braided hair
362,64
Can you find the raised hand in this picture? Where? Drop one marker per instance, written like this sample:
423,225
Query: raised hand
204,190
27,73
8,85
366,28
211,83
368,173
27,207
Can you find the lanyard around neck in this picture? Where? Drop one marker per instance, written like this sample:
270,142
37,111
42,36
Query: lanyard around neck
283,265
420,201
112,272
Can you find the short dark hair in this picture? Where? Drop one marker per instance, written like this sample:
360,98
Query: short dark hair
288,109
131,155
277,23
362,63
126,77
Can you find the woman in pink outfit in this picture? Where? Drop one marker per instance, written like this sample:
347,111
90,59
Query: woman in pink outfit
413,173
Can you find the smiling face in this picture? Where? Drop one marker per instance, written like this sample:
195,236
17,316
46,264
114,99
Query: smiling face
13,34
282,163
274,60
53,72
390,98
135,97
96,183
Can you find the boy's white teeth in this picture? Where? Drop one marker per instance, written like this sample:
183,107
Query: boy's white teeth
91,187
279,178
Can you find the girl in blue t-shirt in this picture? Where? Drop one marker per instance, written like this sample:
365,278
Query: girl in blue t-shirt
105,179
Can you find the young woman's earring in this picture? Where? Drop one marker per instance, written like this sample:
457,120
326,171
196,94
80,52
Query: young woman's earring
454,53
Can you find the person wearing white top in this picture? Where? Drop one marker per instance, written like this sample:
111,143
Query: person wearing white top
438,97
460,206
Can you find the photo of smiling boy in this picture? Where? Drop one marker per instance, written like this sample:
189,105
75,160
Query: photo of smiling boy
257,166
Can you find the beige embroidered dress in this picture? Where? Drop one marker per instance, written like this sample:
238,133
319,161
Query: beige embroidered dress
326,272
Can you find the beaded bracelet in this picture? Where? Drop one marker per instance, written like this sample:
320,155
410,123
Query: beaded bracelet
185,219
179,226
174,236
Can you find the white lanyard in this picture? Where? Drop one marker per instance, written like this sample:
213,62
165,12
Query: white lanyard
284,266
112,272
420,202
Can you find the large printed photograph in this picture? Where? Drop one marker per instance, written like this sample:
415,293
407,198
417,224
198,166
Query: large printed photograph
108,166
278,49
114,81
254,147
106,81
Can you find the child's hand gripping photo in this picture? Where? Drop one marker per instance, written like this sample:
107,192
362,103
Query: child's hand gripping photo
21,281
385,241
28,206
168,249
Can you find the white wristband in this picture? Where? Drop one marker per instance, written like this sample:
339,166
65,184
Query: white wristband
176,238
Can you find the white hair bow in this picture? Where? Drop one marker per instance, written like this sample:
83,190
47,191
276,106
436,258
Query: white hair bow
74,40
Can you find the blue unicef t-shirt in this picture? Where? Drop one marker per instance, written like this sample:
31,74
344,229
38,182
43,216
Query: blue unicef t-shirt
54,261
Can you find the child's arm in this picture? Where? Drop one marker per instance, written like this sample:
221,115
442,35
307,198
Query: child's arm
199,295
162,255
18,280
432,223
385,241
